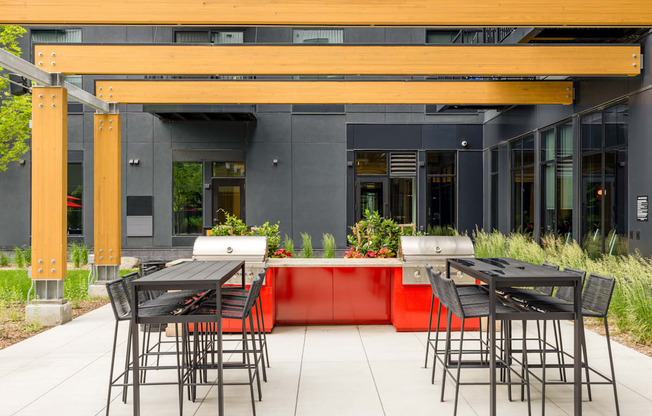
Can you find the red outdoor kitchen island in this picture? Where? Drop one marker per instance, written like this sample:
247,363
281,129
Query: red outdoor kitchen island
355,291
301,291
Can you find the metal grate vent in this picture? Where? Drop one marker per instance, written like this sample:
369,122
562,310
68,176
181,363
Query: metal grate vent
403,164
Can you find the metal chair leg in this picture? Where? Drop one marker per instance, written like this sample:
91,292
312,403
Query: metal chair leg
611,363
115,342
447,350
127,362
459,367
248,365
432,304
434,361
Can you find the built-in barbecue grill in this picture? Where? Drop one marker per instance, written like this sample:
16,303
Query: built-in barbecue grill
253,250
416,251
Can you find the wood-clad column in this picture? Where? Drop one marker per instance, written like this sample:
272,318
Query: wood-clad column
107,214
49,182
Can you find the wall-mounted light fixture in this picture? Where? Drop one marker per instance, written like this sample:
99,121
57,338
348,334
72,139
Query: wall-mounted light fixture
134,161
275,162
22,162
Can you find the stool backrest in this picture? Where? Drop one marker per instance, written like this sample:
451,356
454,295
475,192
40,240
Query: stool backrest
567,292
448,296
254,292
597,293
432,276
120,299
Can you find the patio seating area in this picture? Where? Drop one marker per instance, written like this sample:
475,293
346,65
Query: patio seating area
315,370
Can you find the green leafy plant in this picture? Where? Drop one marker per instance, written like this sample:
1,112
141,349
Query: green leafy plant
19,258
15,111
4,259
232,225
375,234
306,250
288,244
272,234
328,242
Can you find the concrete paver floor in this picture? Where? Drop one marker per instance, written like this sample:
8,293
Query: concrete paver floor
315,370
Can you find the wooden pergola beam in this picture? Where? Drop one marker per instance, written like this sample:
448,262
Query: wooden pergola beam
477,13
337,92
496,60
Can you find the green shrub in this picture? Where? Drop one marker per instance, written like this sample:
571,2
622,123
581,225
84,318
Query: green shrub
328,242
232,225
27,255
306,250
74,254
375,234
288,244
272,234
445,230
4,259
83,254
19,258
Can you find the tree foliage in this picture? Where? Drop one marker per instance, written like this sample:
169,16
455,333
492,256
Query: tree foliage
15,112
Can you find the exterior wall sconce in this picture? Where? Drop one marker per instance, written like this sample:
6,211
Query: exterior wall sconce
134,161
275,162
22,162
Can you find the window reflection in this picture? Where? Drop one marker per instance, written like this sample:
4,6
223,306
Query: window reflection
74,196
187,197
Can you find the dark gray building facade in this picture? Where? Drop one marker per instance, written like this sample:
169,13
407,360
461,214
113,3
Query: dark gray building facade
574,170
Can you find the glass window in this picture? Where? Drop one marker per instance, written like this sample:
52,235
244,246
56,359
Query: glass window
565,140
187,197
441,36
494,189
522,151
557,180
318,36
616,122
371,163
223,37
74,197
402,201
592,132
228,169
604,181
441,189
548,145
441,163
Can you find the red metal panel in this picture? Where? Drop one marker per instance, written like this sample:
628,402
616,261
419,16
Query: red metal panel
361,294
411,307
304,294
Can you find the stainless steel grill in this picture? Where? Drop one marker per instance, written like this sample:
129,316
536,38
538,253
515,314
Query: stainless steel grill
253,250
416,251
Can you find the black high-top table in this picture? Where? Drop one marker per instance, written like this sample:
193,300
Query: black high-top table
195,275
506,272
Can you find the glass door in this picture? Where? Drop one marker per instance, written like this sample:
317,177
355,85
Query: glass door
371,194
229,196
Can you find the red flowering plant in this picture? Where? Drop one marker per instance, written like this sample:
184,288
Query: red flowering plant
281,253
353,254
